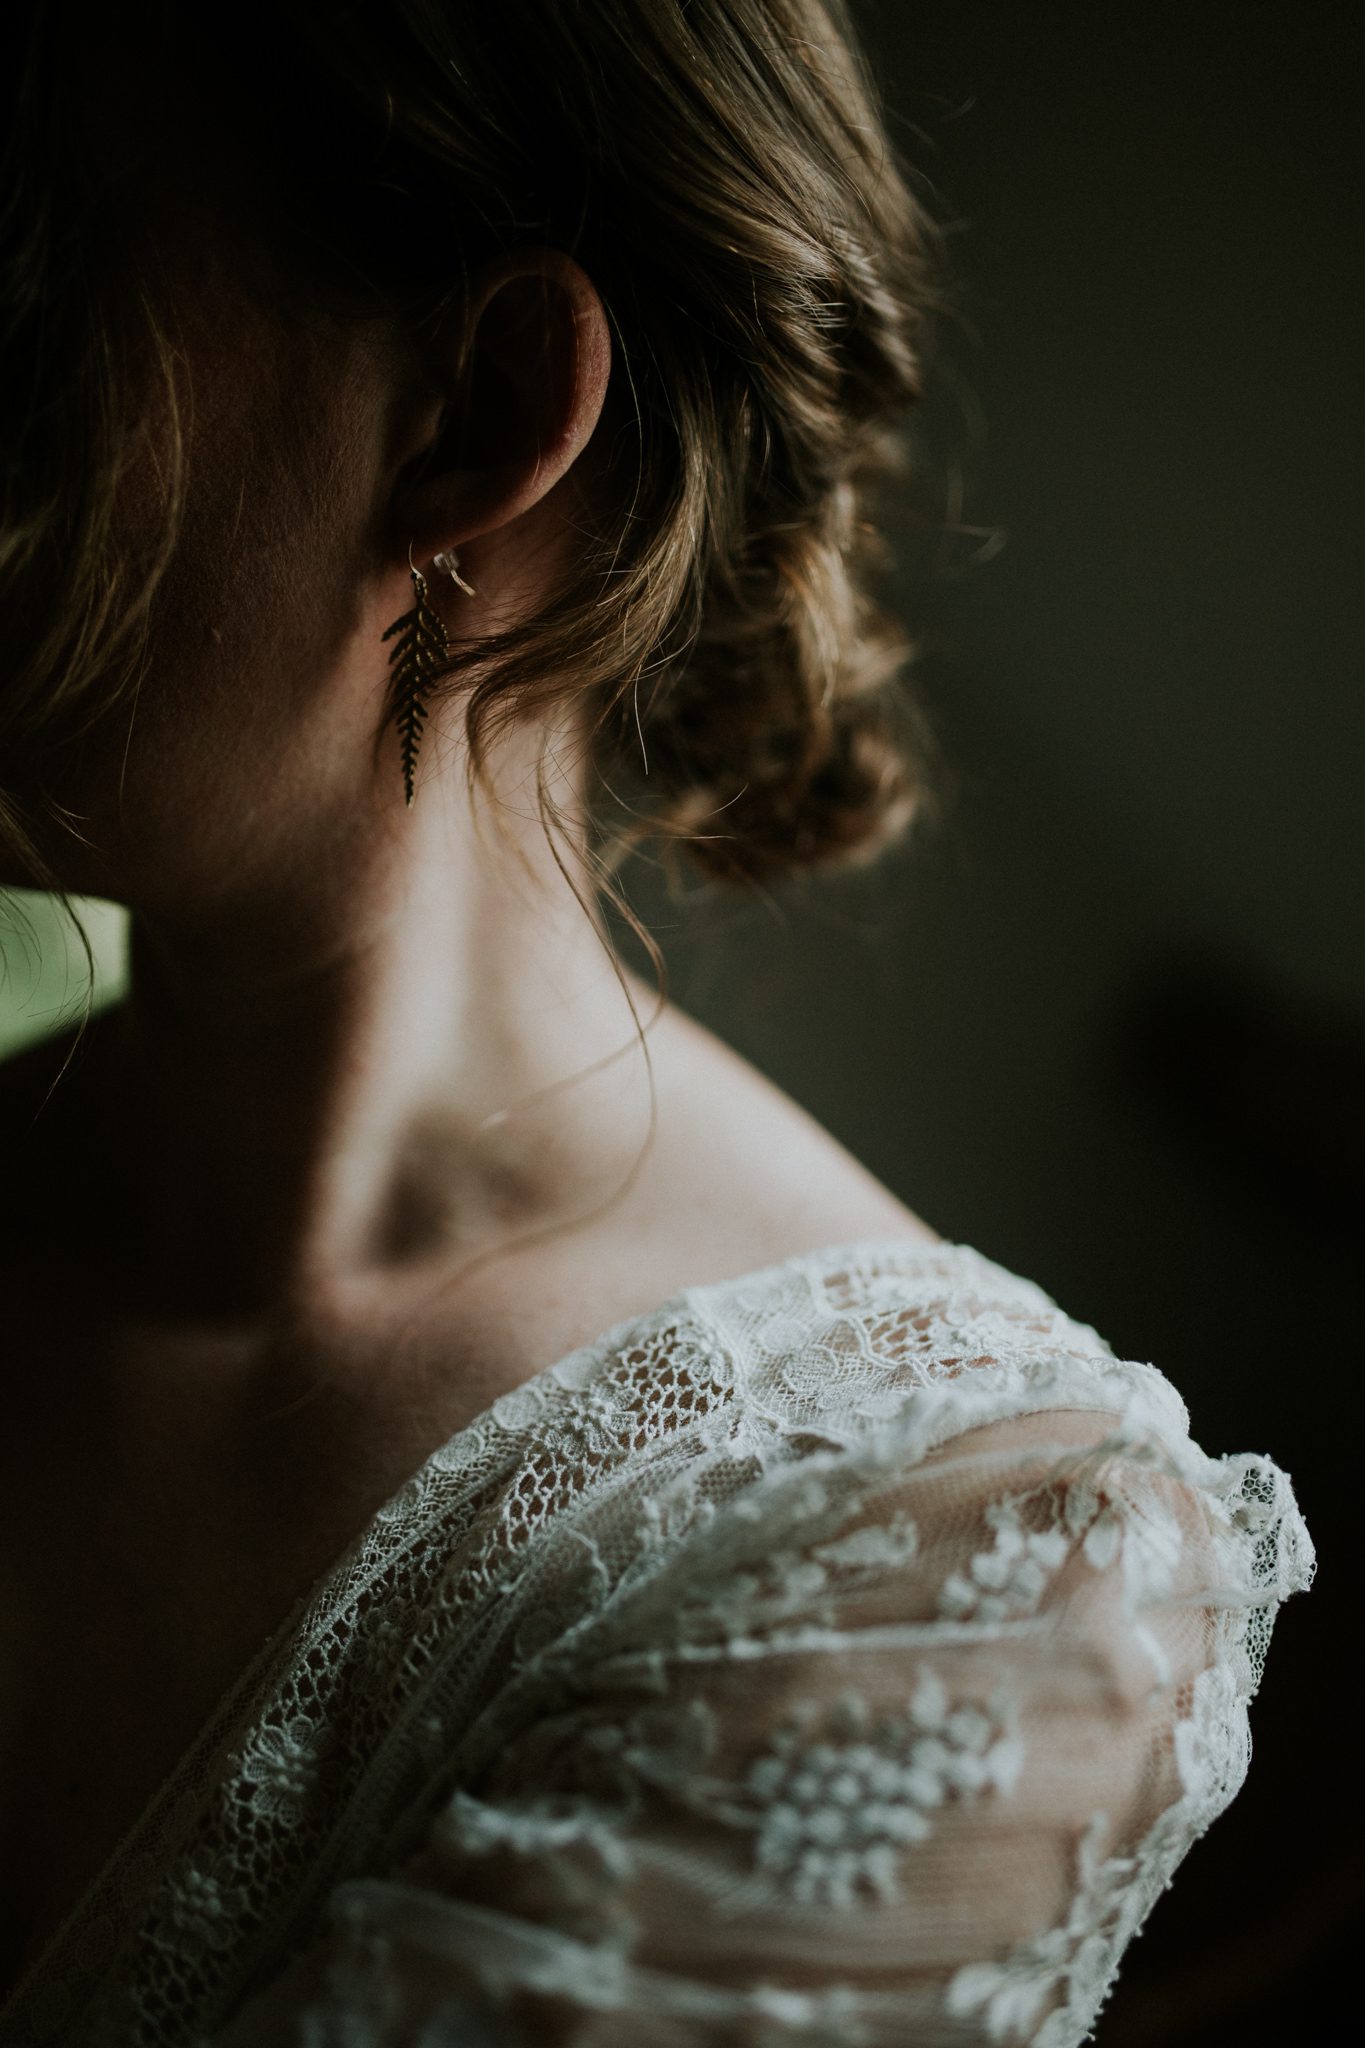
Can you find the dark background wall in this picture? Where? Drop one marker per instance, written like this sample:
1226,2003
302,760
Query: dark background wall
1108,1023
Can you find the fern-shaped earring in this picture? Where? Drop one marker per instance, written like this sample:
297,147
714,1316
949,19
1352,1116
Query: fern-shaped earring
422,643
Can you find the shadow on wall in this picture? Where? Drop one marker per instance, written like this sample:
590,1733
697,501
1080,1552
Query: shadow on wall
1268,1088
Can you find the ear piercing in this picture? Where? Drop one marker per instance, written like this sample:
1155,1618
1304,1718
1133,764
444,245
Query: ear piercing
422,645
449,561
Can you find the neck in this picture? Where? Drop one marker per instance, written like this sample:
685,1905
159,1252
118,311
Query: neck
354,1084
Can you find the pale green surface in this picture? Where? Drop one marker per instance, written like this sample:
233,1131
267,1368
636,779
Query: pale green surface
43,971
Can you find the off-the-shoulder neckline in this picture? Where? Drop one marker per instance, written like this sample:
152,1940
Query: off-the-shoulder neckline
224,1718
562,1375
828,1257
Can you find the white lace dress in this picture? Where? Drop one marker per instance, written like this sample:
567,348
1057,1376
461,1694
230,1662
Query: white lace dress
844,1654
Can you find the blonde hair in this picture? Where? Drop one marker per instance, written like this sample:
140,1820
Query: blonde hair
722,172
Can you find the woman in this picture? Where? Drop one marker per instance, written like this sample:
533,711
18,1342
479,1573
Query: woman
514,1535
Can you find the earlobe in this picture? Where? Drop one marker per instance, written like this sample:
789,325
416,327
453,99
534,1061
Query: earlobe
528,371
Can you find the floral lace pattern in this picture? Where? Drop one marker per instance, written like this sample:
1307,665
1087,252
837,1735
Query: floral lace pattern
846,1654
843,1795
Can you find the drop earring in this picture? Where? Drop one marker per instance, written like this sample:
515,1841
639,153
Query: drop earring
422,643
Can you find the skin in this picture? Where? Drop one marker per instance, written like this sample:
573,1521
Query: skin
365,1046
341,1166
332,992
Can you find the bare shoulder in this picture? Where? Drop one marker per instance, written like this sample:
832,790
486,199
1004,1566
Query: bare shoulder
738,1178
746,1165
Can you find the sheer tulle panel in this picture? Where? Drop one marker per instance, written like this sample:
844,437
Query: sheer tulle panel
870,1758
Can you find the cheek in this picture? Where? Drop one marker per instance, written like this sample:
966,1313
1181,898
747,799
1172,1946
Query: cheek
258,609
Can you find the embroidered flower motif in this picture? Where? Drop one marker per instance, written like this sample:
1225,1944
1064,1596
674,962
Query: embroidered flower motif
1078,1953
842,1802
1213,1745
393,1649
830,2014
389,1629
633,1745
283,1766
745,1602
553,1827
204,1902
661,1518
594,1423
1010,1578
892,1544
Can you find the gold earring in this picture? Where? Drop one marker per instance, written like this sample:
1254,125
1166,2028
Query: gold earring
423,642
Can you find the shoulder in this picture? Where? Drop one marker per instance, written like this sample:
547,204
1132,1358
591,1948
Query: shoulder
963,1714
740,1174
856,1333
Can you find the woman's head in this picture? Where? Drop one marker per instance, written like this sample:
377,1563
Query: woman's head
623,297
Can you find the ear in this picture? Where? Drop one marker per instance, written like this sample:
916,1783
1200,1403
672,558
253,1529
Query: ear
525,369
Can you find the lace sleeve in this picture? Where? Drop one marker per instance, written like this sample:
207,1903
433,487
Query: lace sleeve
897,1744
